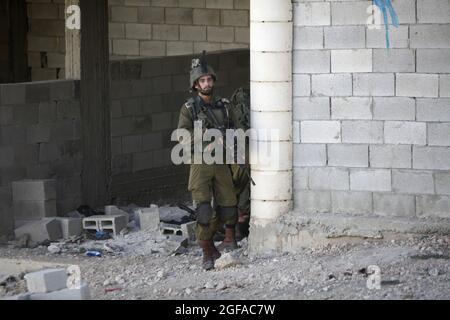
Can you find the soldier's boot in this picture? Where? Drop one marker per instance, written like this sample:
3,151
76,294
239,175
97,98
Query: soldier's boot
243,225
229,243
210,254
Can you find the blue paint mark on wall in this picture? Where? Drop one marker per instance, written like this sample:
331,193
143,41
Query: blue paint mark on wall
385,6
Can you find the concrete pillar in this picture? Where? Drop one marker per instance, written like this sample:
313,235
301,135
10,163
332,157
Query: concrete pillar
73,41
271,33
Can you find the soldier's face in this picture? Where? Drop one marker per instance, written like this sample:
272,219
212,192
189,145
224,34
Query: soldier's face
205,85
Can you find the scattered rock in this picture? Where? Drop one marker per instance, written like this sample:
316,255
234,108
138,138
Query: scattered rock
54,249
433,272
227,260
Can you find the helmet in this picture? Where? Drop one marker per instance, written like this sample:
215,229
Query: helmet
200,68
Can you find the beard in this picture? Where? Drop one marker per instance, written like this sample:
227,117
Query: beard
207,91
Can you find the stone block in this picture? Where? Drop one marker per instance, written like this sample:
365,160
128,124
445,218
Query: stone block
46,280
40,231
34,190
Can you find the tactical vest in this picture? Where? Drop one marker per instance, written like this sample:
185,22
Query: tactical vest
220,109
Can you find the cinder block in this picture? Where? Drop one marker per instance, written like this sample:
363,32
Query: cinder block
350,13
417,85
390,156
433,206
444,85
46,280
394,205
171,229
439,134
394,60
208,17
308,38
354,202
331,85
412,181
328,179
442,180
296,132
310,155
138,31
188,230
320,131
306,201
433,11
348,155
179,16
405,132
301,85
176,48
351,61
433,109
433,158
71,227
430,36
152,48
40,231
220,4
311,61
398,37
351,108
150,15
312,14
34,210
345,37
312,108
124,14
301,178
193,33
362,132
109,223
370,180
82,293
34,190
165,32
149,218
394,108
374,84
220,34
433,60
201,4
125,47
236,18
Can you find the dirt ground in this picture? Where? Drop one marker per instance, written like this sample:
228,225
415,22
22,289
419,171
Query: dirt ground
140,266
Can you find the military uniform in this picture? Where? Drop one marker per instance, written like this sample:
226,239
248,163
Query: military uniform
208,181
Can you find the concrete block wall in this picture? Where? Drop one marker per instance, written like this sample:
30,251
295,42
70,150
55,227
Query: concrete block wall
144,28
46,39
372,125
154,28
147,95
40,139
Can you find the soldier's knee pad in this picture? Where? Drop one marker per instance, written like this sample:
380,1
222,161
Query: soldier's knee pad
204,213
228,213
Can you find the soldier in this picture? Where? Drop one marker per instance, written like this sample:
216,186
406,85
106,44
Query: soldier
209,180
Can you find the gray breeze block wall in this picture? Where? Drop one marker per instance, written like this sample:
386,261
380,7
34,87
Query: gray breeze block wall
40,139
147,95
141,28
372,125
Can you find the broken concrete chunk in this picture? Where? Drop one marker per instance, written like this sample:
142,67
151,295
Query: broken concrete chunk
188,230
82,293
71,227
46,280
227,260
148,218
34,190
40,231
174,244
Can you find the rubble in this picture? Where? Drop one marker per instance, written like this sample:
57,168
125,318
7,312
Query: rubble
227,260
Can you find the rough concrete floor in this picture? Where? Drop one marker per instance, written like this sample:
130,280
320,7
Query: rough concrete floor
416,268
